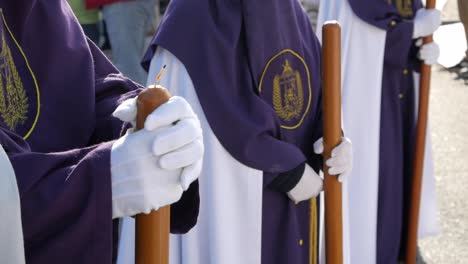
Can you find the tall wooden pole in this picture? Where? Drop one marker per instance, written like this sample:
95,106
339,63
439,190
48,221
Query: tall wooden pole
332,138
152,230
418,166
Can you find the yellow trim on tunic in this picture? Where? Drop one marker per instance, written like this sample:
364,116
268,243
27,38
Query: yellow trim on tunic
313,232
33,76
308,82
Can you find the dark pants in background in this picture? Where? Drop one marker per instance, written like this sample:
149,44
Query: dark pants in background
92,32
463,12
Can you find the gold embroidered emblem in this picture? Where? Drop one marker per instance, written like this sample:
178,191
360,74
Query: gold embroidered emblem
291,97
13,100
288,94
404,7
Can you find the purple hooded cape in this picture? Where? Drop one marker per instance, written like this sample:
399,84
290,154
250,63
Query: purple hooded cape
57,94
397,120
255,65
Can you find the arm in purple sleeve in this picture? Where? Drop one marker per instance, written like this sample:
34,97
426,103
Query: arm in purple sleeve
66,202
111,88
66,196
286,181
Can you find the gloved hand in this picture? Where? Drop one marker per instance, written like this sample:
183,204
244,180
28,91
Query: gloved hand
310,185
426,22
341,160
150,168
127,111
429,53
186,129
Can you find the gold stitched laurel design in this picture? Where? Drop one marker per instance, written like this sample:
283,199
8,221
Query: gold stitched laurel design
300,92
13,107
279,99
404,7
288,103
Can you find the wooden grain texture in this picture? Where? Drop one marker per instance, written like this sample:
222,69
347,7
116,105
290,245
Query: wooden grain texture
418,165
332,138
152,230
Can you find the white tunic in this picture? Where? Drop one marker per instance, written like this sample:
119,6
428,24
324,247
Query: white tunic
229,225
11,230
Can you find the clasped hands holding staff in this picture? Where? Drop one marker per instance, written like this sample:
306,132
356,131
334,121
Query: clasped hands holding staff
151,168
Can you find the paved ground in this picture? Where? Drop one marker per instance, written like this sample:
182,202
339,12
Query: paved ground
450,11
449,120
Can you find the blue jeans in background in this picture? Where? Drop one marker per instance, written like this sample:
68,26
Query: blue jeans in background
127,23
92,32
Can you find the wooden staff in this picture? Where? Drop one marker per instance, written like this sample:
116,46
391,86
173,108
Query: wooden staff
152,230
418,166
332,138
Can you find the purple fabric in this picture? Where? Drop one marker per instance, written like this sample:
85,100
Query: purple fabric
227,47
396,160
379,13
397,121
389,17
62,162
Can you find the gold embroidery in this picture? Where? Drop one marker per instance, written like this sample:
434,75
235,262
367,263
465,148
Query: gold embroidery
287,104
404,7
288,96
38,95
13,100
313,232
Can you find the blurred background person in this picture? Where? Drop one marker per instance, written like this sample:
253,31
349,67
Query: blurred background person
312,8
127,23
88,18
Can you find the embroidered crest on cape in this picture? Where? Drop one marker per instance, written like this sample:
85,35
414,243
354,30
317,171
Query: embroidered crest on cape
20,102
288,95
13,100
405,7
285,84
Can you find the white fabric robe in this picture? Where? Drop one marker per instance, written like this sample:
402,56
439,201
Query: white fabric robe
11,230
229,225
362,66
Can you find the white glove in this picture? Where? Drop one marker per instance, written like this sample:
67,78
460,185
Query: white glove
150,168
310,185
426,22
429,53
127,111
341,160
186,129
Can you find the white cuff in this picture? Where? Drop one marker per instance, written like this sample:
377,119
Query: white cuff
310,185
